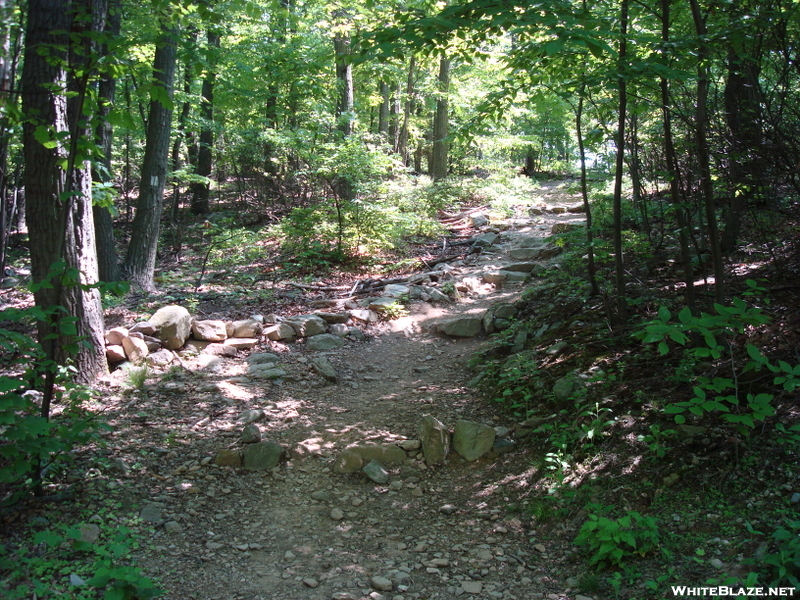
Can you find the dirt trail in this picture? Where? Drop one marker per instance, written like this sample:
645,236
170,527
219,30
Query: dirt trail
302,531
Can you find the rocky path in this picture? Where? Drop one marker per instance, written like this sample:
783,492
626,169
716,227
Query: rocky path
305,531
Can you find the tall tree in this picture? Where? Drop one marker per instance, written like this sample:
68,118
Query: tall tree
200,190
622,82
58,184
140,261
441,122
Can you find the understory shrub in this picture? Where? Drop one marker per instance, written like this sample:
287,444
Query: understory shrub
612,542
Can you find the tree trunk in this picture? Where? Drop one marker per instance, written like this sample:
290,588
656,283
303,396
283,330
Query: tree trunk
59,200
344,74
672,167
440,124
402,138
200,191
140,261
108,262
383,112
619,264
703,154
591,270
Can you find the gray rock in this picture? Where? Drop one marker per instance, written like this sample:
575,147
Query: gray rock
150,513
262,455
89,533
437,295
376,472
556,348
348,462
497,278
795,499
325,341
337,514
209,330
310,582
172,325
522,267
250,434
263,358
321,496
160,358
568,387
266,371
307,325
535,253
564,227
485,239
472,440
339,329
502,446
143,327
333,318
173,527
367,316
323,366
519,341
479,220
448,509
135,349
504,311
246,328
435,440
356,334
395,290
228,458
381,583
466,326
354,458
216,349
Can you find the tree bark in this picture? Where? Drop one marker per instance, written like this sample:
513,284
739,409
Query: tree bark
703,154
205,154
402,137
591,269
59,200
140,262
108,262
619,264
441,123
383,112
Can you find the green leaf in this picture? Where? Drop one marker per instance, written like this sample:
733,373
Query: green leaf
664,314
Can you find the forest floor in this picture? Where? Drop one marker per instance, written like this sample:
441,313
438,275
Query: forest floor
500,527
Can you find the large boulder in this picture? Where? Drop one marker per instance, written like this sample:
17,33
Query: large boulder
172,325
435,440
472,440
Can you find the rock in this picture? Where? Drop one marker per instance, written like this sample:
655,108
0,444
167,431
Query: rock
485,239
332,318
367,316
502,446
115,336
280,331
173,527
381,583
519,341
536,253
479,220
504,311
435,440
115,354
322,365
437,295
447,509
466,326
89,533
795,499
521,267
209,331
556,348
250,416
247,328
135,349
262,455
321,496
216,349
568,387
325,341
375,471
310,582
497,278
307,325
471,587
143,327
348,462
160,358
472,440
382,305
410,445
250,434
172,325
716,563
356,334
343,596
263,358
337,514
228,458
265,371
395,290
339,329
151,513
240,343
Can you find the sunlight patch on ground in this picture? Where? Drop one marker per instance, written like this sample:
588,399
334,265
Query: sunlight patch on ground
235,391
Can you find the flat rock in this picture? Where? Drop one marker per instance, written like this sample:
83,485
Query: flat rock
151,513
325,341
280,331
250,416
365,315
307,325
265,371
228,458
217,349
241,343
381,583
160,358
535,253
115,336
261,358
115,353
245,328
332,318
322,365
209,330
466,326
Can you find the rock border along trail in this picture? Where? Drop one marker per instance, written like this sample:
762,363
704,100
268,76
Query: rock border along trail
303,530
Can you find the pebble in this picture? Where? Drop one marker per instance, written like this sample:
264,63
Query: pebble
716,563
381,583
337,514
310,582
447,509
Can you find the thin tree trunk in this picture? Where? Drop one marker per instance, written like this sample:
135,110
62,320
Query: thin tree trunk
591,270
345,116
619,264
383,112
140,261
402,141
441,123
703,154
108,262
200,191
672,168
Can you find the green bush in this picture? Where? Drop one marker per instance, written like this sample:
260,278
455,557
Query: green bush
782,566
613,541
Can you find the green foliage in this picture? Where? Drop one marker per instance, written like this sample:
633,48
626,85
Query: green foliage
62,563
781,567
719,395
656,440
135,377
613,541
